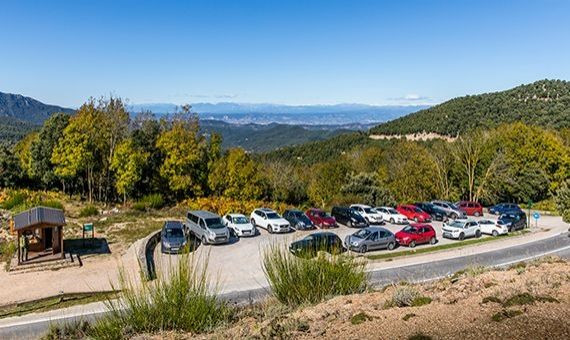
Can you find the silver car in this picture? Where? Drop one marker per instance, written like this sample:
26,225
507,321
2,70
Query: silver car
370,238
207,227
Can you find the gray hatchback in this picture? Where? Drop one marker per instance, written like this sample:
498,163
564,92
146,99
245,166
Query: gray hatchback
173,238
371,238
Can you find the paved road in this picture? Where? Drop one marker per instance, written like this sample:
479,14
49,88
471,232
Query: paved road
32,326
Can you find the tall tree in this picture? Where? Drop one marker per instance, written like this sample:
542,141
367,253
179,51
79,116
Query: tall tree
10,171
41,166
23,151
127,164
468,150
327,178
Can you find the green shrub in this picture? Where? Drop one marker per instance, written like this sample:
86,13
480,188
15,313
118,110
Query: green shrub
69,330
407,296
153,201
139,206
408,316
7,251
545,205
52,204
505,314
420,336
359,318
295,281
15,198
182,300
493,299
527,299
89,210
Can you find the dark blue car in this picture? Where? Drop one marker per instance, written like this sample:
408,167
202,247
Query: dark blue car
503,208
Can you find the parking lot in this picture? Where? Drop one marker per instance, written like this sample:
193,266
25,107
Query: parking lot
237,265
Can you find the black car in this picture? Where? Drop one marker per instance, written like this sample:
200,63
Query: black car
503,208
514,220
320,241
436,212
173,237
349,217
298,220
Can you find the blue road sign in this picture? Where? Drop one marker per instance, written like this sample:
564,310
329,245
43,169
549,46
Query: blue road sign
536,215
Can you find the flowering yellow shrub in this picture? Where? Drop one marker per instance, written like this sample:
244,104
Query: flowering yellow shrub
224,205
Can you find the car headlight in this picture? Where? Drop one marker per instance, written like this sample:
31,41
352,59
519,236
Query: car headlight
354,243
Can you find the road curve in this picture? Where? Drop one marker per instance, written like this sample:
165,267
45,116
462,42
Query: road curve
31,326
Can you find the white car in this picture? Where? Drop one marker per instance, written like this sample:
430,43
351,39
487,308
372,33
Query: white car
369,214
392,215
270,220
460,229
491,227
239,224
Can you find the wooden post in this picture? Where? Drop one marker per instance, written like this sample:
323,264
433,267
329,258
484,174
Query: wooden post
19,249
61,241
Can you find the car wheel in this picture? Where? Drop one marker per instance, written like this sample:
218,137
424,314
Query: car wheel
454,216
461,237
432,240
349,224
363,249
391,246
391,220
204,241
270,229
253,223
476,214
478,233
412,244
495,233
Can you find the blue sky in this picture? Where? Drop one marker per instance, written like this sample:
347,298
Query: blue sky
287,52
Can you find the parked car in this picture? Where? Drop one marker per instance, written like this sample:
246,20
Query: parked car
349,217
207,227
514,220
437,214
311,244
370,215
391,215
460,229
370,238
413,213
269,220
491,227
451,210
417,233
239,224
173,237
298,220
470,208
502,208
320,218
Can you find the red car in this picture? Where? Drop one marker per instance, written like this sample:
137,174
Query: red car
471,208
320,218
413,213
416,233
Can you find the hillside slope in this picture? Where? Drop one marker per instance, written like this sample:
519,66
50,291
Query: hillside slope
27,109
545,103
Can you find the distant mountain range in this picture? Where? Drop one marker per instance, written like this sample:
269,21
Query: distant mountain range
26,109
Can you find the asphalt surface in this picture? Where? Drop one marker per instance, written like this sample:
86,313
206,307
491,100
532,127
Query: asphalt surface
554,246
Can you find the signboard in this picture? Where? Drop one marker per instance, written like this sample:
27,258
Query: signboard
88,227
536,215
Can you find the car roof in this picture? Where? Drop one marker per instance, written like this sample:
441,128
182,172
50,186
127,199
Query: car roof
360,206
323,233
236,215
265,209
203,214
315,209
420,225
173,224
377,229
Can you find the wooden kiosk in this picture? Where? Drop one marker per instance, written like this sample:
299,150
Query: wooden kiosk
44,227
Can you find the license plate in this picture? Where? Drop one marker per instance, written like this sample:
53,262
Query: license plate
175,249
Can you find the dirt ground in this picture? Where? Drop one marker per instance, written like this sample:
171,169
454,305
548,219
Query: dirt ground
528,302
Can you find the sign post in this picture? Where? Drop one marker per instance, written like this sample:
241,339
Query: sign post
529,206
536,216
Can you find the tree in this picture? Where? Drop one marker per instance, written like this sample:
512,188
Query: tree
408,171
24,153
468,150
365,188
326,180
563,201
41,166
444,164
184,156
10,171
236,175
286,182
127,164
145,132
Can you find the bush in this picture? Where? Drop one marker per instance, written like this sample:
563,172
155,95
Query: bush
139,206
52,204
14,199
295,281
7,251
505,314
359,318
89,210
407,296
153,201
182,300
563,201
70,330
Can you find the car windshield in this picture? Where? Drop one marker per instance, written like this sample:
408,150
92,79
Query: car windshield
409,229
369,210
273,216
240,220
453,206
456,224
174,232
416,209
392,211
486,222
363,233
322,214
214,223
